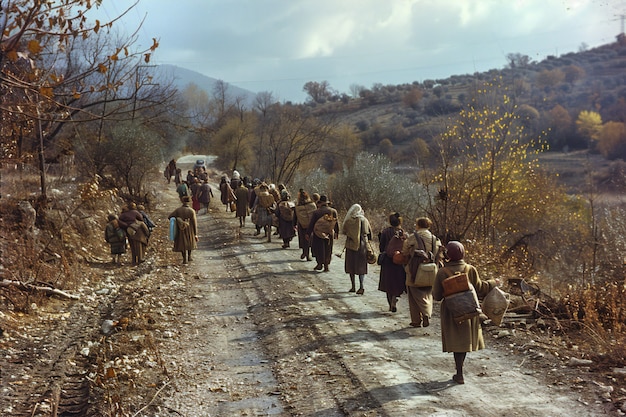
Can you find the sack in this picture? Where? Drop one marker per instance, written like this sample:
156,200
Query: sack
426,274
285,210
381,258
371,256
233,206
400,259
304,213
324,227
495,305
463,305
456,283
132,229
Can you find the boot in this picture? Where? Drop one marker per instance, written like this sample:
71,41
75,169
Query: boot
184,258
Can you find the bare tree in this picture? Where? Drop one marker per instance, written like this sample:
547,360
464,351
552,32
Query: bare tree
39,77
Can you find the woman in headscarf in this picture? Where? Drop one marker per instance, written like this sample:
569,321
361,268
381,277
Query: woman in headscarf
358,232
392,275
467,336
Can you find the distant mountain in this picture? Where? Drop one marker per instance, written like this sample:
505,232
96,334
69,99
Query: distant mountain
182,77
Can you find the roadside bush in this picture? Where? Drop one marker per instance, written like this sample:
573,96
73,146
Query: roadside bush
600,311
372,183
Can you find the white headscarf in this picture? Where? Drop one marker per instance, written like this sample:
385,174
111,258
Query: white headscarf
353,212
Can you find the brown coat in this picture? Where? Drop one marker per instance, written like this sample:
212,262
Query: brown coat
185,239
466,336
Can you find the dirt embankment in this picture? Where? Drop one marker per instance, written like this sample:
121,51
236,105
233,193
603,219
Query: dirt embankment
248,328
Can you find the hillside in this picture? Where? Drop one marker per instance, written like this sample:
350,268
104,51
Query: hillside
182,77
592,80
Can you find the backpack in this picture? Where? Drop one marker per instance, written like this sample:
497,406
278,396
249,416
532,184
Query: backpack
420,256
324,227
286,211
395,244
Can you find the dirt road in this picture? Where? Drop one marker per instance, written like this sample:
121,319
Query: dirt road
250,329
268,335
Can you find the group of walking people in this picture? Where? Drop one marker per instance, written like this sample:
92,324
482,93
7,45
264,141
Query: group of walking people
397,278
133,228
316,224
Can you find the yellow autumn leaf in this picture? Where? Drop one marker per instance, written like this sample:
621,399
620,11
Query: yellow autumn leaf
102,68
46,91
34,47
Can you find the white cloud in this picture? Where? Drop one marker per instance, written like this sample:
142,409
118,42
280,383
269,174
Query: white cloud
281,44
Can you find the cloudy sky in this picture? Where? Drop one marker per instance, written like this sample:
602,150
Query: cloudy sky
279,45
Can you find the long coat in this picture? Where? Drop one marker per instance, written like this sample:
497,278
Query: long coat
322,248
466,336
356,251
185,239
242,195
303,214
392,275
205,193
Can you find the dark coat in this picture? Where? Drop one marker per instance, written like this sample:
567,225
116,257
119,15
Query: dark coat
128,217
322,248
392,276
242,195
286,228
205,193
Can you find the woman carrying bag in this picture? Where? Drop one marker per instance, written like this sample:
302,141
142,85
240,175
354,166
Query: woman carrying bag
358,233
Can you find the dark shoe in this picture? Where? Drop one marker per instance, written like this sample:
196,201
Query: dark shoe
360,291
426,322
302,256
394,309
284,246
326,269
185,262
352,289
458,379
318,267
258,232
416,324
